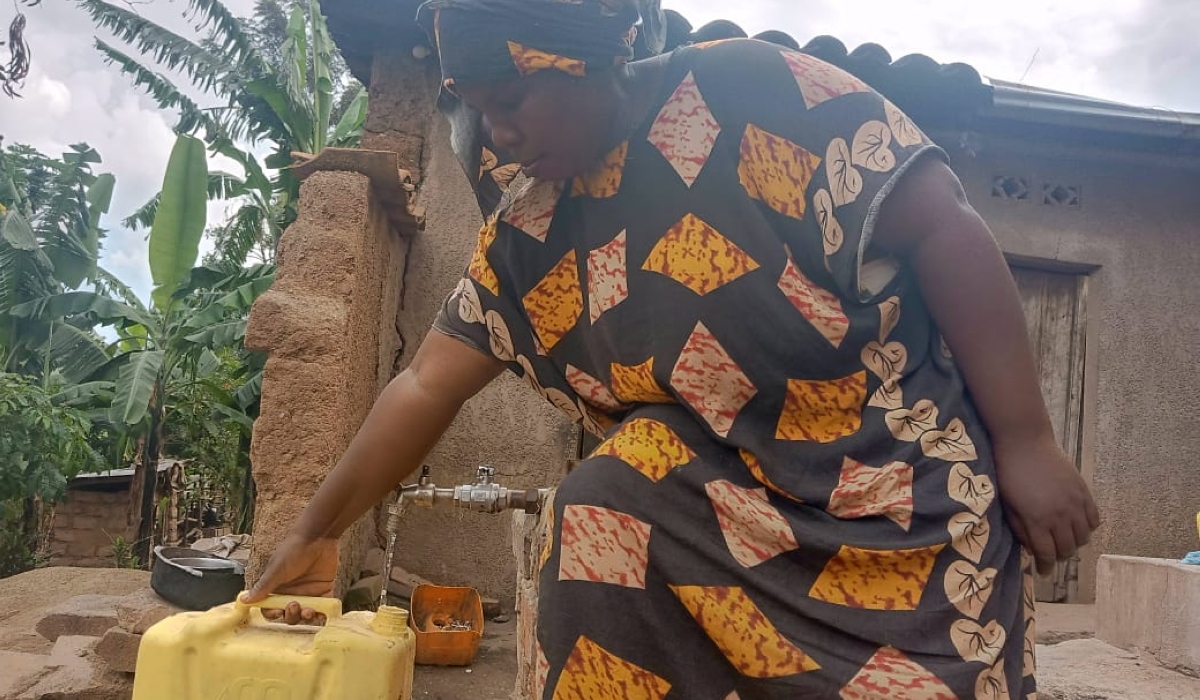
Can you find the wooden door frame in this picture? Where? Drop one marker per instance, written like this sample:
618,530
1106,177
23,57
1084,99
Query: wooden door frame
1081,587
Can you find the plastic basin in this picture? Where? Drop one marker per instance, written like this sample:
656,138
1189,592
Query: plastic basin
448,622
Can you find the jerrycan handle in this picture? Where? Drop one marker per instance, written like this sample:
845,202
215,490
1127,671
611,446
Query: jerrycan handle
331,608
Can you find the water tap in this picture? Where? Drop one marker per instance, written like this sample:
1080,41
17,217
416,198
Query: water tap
483,496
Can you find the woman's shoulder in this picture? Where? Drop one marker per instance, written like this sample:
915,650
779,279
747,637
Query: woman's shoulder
744,53
742,78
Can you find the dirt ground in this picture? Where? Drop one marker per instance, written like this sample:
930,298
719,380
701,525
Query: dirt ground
1072,665
25,599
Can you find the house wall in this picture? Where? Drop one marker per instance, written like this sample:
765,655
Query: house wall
85,525
1139,221
507,425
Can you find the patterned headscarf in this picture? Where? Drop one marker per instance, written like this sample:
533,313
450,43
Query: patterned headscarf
495,40
489,40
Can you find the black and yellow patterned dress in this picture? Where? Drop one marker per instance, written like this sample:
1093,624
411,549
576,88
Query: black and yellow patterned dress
795,497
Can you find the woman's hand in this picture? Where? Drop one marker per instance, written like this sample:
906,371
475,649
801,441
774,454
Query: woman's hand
302,567
407,420
1046,500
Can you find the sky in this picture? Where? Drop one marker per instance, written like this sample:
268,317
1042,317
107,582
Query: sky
1136,51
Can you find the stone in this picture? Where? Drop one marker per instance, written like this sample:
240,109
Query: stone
363,595
119,650
141,610
19,671
74,672
1089,669
373,565
402,583
236,547
491,607
1151,606
85,615
69,647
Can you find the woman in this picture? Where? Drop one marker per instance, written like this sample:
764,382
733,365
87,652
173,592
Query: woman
762,284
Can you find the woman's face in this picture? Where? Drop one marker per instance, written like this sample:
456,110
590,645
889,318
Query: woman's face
554,125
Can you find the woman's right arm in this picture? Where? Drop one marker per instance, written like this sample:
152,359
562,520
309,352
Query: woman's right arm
407,420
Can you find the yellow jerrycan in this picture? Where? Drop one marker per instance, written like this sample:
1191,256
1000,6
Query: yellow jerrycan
233,653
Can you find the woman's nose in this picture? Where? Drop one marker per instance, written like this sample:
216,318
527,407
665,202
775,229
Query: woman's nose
505,136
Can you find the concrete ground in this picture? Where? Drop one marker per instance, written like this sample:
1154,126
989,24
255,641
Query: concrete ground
492,676
1073,666
1062,623
1089,669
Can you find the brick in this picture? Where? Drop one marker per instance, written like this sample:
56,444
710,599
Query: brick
119,650
81,550
87,522
139,611
364,595
87,615
373,565
403,583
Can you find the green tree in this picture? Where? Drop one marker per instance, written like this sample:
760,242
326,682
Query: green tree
275,90
170,343
42,446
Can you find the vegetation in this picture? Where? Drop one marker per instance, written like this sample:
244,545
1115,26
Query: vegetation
104,377
41,446
279,78
167,345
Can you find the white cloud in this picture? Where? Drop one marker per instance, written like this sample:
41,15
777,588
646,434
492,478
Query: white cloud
72,96
1140,51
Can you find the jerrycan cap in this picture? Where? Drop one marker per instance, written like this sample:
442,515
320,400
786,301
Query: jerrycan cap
390,621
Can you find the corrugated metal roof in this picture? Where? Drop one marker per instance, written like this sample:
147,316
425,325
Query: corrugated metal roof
124,473
1034,104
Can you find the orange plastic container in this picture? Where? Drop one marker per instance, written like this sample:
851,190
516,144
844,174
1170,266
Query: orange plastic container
440,619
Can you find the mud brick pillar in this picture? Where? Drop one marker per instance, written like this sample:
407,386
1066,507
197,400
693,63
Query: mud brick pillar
328,326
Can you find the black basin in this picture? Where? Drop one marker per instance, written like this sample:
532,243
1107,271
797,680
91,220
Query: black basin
195,580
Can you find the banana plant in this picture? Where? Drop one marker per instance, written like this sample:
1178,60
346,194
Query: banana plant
50,236
282,96
192,312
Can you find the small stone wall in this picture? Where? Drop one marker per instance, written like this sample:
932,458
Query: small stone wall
1151,606
85,525
531,535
